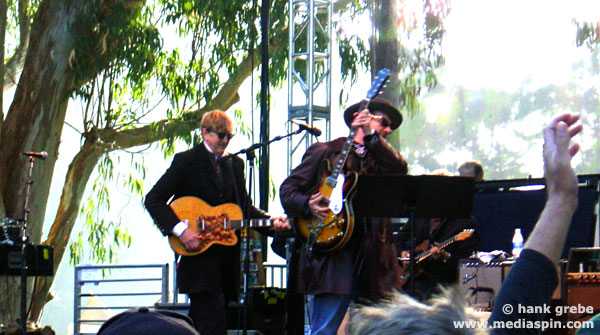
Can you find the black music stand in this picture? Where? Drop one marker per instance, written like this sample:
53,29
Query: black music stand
413,196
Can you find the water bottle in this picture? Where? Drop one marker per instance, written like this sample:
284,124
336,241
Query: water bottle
517,243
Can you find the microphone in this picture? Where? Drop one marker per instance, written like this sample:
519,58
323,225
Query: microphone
40,155
313,130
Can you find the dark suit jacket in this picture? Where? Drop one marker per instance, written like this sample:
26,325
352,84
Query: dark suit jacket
193,173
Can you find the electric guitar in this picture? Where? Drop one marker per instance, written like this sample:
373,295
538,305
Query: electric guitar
214,225
463,235
333,232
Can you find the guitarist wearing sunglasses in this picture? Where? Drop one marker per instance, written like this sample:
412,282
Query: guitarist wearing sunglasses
210,278
365,266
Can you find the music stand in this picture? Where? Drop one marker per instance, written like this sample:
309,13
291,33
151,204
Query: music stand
413,196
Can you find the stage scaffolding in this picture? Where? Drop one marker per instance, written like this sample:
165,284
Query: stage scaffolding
309,76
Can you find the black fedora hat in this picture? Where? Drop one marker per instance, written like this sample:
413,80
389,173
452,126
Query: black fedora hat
376,104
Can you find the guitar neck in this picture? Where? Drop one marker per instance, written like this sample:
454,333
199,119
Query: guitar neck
425,254
339,164
247,223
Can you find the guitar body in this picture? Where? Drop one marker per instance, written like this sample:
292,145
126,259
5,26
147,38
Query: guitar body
335,230
206,221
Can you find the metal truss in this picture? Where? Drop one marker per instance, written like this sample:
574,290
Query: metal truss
309,76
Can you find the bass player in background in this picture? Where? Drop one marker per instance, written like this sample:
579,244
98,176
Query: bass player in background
440,267
210,278
366,266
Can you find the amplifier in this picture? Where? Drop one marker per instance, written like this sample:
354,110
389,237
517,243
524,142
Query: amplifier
480,282
39,260
583,283
584,299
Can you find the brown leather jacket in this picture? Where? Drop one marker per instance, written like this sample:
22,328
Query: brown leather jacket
368,261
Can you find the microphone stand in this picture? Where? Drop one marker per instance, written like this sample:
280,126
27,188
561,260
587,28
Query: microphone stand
259,145
246,209
24,241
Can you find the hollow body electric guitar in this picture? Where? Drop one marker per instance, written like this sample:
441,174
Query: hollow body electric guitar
333,232
214,225
463,235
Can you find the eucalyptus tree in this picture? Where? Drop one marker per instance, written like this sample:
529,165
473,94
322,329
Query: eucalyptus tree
120,59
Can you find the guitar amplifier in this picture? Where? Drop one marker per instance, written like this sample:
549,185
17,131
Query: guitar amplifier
39,260
583,283
480,282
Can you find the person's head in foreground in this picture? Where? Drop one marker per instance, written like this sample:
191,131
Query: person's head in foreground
403,315
144,321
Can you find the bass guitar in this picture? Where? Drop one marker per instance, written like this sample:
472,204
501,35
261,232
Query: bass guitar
463,235
333,232
214,225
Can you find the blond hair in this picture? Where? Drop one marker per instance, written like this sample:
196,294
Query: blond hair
217,121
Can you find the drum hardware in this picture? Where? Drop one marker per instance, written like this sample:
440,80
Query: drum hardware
10,231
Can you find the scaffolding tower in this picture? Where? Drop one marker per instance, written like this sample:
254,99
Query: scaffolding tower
309,76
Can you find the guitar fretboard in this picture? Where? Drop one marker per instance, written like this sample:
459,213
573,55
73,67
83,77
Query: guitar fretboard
422,256
375,89
235,224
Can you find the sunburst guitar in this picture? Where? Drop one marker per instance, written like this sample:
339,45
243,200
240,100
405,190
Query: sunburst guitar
213,225
333,232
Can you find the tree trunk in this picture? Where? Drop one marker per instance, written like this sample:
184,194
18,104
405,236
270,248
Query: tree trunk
34,122
78,174
36,117
385,53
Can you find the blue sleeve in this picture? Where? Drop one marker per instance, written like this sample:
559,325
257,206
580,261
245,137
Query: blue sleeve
527,289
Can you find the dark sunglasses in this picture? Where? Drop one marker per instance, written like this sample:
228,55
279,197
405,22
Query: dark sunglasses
221,135
384,122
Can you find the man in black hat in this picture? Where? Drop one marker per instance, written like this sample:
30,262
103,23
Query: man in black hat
366,266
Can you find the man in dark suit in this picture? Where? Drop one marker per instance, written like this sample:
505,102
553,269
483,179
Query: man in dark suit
209,278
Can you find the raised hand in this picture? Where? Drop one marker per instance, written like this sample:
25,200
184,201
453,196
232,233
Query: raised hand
561,179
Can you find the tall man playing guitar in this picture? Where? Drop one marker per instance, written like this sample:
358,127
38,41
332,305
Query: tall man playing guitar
335,267
198,180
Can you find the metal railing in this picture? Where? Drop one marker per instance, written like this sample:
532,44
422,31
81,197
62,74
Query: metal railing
276,275
115,288
106,290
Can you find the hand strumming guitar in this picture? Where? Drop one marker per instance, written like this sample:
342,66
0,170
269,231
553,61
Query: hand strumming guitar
317,204
189,238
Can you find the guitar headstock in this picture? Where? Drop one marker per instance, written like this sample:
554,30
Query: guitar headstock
378,83
465,234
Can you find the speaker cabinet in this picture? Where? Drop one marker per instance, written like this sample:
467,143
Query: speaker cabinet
480,282
39,260
580,297
266,312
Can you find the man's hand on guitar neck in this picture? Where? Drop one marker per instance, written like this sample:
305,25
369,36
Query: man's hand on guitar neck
318,206
363,120
190,240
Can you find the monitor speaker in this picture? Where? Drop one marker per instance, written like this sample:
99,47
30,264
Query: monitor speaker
39,260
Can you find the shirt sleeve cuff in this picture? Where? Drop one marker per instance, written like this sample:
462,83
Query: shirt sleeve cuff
179,228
